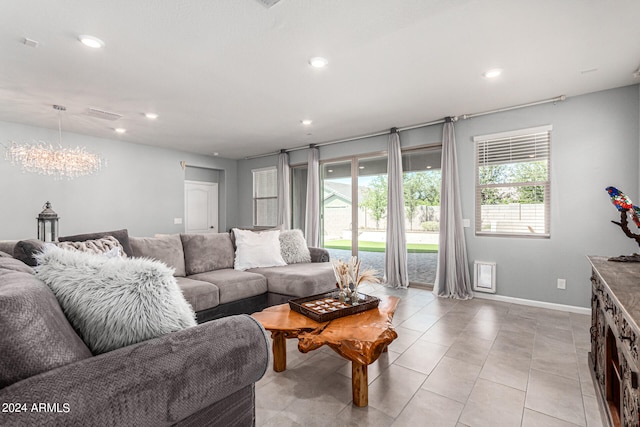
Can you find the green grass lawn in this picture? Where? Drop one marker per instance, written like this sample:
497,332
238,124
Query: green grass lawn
421,248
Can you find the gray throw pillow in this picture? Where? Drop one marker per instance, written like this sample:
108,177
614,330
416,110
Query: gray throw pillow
25,250
114,302
293,247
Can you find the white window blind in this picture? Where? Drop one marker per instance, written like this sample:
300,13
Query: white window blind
265,197
513,183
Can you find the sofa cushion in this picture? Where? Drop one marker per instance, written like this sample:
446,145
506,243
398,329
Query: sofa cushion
24,250
107,245
166,248
293,247
121,235
11,263
207,252
233,284
114,302
201,295
257,249
36,337
7,246
299,280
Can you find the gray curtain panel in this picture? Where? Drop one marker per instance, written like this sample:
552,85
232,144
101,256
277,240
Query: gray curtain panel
284,192
312,223
395,257
452,274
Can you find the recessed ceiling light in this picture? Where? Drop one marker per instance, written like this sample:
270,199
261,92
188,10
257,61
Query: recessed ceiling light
492,74
216,153
151,116
306,122
428,167
318,62
360,167
330,170
120,130
91,41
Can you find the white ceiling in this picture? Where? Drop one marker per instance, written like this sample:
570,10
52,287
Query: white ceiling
232,76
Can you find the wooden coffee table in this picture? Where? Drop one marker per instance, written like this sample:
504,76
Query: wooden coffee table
360,338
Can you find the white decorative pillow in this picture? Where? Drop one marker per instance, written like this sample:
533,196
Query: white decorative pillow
108,245
293,247
255,250
114,302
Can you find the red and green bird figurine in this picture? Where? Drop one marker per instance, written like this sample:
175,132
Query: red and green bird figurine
624,204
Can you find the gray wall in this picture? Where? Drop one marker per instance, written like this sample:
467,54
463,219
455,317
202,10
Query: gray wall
141,189
595,143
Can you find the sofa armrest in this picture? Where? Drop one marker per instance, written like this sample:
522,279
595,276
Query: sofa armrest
153,383
319,254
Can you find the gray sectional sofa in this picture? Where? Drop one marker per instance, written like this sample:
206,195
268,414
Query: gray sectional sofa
202,375
204,270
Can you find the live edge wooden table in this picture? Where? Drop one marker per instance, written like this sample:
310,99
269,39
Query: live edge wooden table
360,338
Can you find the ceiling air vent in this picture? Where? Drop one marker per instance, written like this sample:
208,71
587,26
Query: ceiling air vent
268,3
101,114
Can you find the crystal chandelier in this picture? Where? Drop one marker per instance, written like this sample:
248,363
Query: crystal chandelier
56,161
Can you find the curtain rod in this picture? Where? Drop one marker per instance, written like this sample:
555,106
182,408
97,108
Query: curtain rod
421,125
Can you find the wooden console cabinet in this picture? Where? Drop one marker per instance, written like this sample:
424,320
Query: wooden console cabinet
615,336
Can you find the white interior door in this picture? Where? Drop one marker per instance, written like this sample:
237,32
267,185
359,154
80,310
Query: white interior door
201,207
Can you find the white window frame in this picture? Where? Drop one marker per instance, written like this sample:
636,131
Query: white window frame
256,174
483,144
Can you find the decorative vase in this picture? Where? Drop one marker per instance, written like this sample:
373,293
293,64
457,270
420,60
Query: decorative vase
353,293
342,295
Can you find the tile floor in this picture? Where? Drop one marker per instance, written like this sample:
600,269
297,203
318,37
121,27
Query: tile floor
454,363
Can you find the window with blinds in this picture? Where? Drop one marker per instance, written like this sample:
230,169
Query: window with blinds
265,196
512,183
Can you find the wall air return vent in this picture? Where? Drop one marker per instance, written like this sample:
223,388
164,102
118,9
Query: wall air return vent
101,114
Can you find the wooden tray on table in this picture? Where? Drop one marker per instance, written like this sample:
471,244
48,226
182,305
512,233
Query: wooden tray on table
327,306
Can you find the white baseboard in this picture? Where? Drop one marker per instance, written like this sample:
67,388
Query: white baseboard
532,303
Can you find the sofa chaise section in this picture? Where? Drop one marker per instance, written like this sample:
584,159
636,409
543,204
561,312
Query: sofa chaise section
297,280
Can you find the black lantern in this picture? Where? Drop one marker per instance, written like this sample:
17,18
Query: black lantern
48,224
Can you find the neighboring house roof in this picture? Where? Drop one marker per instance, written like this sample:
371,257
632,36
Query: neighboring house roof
340,190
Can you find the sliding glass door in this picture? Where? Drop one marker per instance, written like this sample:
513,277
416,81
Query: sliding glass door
353,209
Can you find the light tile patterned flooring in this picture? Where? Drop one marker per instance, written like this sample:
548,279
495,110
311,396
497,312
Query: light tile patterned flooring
454,363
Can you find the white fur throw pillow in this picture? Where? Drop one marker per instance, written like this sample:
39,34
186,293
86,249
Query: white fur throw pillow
114,302
255,250
293,247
